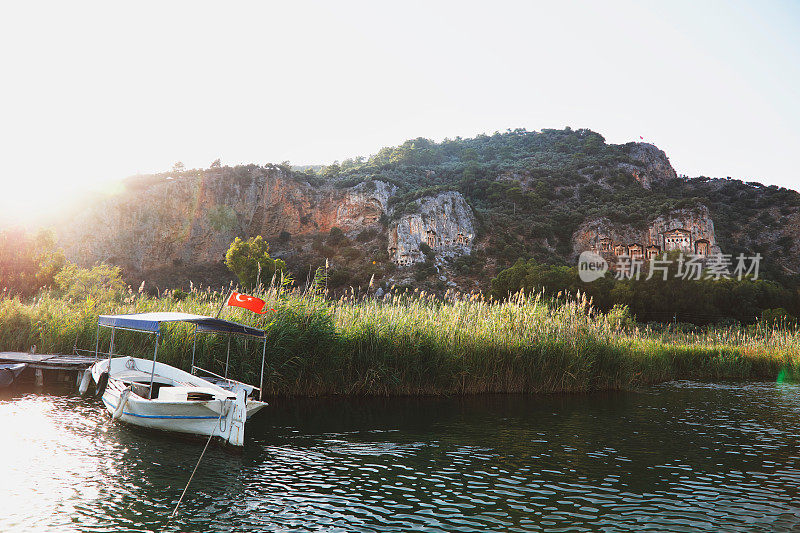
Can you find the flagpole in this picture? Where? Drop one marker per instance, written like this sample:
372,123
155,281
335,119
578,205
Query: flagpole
224,303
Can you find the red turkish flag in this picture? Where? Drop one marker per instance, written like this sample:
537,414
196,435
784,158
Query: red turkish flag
251,303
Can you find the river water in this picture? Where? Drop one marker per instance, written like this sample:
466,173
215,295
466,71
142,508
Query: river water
682,456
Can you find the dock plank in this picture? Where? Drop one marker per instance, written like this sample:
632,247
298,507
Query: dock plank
23,357
48,360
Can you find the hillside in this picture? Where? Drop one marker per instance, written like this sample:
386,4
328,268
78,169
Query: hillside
432,215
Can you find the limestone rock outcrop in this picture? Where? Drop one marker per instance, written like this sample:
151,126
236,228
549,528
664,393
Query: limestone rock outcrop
602,235
653,164
363,205
697,221
444,222
193,219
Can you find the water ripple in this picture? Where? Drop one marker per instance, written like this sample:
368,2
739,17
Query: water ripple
678,457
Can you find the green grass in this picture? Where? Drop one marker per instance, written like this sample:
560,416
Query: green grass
407,344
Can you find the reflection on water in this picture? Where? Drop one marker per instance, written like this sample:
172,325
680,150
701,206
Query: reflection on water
682,456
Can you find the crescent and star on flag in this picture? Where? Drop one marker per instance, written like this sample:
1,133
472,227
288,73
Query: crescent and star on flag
251,303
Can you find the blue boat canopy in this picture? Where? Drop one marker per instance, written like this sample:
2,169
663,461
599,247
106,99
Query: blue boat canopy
152,322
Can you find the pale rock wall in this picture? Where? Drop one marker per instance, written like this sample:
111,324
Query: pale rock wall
363,205
447,214
192,220
698,221
654,165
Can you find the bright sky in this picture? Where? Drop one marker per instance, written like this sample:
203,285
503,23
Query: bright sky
93,92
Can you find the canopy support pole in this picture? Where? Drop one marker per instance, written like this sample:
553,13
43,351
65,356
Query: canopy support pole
194,345
228,356
263,356
111,349
224,303
96,342
153,370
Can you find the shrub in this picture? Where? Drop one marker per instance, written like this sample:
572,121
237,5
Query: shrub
367,235
250,261
178,295
778,317
222,218
97,284
620,317
336,237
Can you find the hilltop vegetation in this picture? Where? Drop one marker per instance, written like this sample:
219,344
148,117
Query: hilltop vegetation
525,187
531,190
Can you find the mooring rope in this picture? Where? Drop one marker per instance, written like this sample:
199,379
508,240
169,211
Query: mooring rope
221,412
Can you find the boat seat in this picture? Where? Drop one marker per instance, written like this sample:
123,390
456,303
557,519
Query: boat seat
191,393
143,389
140,382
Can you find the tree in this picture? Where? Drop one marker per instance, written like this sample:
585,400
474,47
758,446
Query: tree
178,167
99,283
28,262
216,164
250,261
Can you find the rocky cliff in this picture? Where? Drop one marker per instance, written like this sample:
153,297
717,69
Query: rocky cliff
193,219
648,164
445,223
696,221
480,204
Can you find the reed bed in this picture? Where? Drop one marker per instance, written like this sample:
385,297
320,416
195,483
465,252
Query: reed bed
412,343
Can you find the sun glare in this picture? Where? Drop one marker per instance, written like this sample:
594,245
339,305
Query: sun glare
30,203
43,202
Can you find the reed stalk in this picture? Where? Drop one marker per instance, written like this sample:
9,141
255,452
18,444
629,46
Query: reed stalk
413,343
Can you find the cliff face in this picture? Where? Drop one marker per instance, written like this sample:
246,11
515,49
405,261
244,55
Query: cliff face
696,221
192,220
543,195
363,205
445,223
648,164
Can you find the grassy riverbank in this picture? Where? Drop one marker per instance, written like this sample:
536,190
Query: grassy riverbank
413,344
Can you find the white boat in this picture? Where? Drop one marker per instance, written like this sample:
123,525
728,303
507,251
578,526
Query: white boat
9,372
155,395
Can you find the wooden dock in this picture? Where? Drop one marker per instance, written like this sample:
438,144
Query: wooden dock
50,367
49,361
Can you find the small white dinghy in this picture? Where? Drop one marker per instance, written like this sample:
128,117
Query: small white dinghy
155,395
9,372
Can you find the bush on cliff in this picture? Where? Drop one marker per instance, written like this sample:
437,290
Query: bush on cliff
250,261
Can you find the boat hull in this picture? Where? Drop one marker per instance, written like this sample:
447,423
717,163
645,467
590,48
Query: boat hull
223,416
9,372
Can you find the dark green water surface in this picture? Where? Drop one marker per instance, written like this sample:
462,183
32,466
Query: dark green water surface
678,457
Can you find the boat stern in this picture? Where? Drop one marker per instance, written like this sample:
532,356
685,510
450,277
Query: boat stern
236,417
